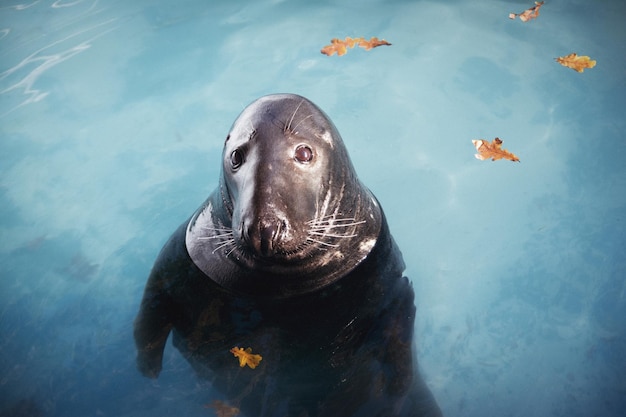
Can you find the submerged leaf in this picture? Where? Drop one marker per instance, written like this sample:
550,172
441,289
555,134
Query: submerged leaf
528,14
246,357
222,409
575,62
340,47
492,150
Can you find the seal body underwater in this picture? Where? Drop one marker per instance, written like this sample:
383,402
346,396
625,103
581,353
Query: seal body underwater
291,256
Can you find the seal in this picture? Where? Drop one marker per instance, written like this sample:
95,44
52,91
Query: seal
292,257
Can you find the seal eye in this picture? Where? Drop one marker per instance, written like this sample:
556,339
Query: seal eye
303,154
236,159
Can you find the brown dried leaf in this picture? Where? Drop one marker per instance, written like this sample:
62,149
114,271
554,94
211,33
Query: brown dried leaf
340,47
222,409
372,43
528,14
492,150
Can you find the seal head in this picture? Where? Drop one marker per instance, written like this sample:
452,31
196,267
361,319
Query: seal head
290,215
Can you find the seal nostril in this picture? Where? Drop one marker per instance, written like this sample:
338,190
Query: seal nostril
246,232
269,233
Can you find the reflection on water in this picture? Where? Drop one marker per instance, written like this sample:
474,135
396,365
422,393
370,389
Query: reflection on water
72,34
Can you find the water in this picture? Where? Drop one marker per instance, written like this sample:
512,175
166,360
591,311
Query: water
112,119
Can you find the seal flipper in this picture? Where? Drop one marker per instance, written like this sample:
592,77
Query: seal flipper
151,332
158,310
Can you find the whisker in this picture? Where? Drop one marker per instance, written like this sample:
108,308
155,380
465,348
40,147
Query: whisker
330,226
231,251
329,235
328,216
215,236
322,243
323,224
331,218
321,228
288,127
224,245
298,124
218,229
252,131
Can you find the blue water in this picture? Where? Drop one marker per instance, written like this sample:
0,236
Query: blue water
112,118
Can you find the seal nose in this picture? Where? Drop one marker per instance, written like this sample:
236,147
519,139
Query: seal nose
263,237
269,232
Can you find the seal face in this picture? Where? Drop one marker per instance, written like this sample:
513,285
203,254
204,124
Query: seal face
290,215
291,259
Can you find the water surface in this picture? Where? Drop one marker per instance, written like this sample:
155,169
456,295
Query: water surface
112,119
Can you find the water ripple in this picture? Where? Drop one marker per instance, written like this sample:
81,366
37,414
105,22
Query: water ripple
20,80
59,4
21,6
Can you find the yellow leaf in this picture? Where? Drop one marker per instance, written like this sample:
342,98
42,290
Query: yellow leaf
492,150
246,357
575,62
337,46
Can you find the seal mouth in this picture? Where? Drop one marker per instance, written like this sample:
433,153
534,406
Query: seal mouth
266,243
270,254
321,235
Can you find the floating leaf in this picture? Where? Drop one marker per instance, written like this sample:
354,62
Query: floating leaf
575,62
246,357
492,150
528,14
222,409
372,43
340,47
